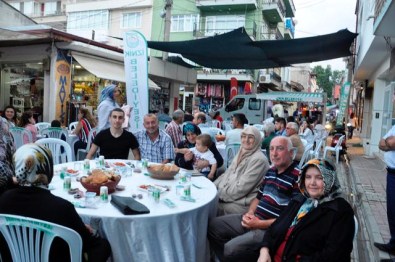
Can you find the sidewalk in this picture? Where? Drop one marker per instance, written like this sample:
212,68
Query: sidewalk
364,180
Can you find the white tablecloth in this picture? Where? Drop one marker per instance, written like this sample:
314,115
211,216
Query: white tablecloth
166,234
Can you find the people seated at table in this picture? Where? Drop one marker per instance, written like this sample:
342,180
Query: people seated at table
234,136
238,237
292,130
201,152
34,172
155,145
238,186
7,149
85,123
165,116
108,101
115,142
279,124
269,131
317,225
9,113
306,132
173,129
27,121
191,131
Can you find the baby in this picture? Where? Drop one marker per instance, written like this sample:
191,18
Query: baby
201,151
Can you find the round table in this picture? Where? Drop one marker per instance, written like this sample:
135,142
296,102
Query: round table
165,234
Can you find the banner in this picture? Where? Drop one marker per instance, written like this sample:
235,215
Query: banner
343,103
136,77
63,85
233,87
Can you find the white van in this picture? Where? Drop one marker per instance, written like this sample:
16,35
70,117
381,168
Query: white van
249,105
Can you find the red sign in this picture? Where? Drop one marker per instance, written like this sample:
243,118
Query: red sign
233,87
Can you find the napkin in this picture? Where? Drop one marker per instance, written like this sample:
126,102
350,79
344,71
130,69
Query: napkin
129,206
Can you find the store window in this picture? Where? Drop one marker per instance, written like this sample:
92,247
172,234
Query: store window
131,20
97,19
223,24
23,87
183,23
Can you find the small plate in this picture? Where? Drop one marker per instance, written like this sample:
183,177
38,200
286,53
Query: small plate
72,172
147,187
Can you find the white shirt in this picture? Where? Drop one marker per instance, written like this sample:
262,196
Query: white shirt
208,155
389,157
233,136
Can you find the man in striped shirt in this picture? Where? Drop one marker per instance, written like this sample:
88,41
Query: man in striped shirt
238,237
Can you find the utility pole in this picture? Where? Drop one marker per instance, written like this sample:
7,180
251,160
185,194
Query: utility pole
166,35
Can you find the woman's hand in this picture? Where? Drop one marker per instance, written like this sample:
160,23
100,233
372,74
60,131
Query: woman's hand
201,163
264,255
188,156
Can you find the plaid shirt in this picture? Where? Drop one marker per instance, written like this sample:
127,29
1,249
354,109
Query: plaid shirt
158,150
174,131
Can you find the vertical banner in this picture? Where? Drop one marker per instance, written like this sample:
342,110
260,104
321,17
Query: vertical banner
343,103
63,85
136,77
233,87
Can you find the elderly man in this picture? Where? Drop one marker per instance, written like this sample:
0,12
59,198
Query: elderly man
173,128
115,142
238,122
155,144
238,237
199,119
292,131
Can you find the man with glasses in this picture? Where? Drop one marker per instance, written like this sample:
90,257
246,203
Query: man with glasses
238,237
115,142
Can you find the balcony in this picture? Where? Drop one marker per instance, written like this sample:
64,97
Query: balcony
384,18
289,29
200,31
270,81
289,8
273,11
229,5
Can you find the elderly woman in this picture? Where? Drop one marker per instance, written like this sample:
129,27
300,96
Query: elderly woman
239,184
6,152
108,101
317,225
191,131
33,172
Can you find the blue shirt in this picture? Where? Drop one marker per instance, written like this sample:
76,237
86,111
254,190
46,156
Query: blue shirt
155,151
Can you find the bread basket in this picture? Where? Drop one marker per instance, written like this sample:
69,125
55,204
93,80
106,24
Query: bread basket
163,172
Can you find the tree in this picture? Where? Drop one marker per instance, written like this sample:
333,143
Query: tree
326,79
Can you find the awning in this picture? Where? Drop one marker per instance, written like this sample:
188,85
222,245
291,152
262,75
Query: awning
292,97
105,68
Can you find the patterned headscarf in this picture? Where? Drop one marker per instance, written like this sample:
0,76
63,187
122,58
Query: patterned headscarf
33,165
328,172
6,152
107,92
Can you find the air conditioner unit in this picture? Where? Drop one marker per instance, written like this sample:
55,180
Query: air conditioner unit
264,78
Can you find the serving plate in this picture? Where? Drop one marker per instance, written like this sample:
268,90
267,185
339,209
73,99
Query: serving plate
148,187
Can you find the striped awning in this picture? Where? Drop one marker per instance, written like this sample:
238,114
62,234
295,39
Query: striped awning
292,97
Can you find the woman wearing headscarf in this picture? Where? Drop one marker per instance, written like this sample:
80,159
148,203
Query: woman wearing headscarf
191,131
240,182
34,171
6,151
317,225
108,101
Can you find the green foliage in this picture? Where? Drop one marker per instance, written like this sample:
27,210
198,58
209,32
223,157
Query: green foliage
326,79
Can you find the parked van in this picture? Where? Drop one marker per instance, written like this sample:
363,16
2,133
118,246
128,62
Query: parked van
249,105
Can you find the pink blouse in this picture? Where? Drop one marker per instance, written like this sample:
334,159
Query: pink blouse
32,130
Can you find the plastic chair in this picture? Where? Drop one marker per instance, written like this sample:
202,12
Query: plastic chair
55,132
306,155
163,125
337,148
258,126
41,126
55,145
212,131
216,124
73,125
231,151
226,125
18,133
92,134
316,152
30,239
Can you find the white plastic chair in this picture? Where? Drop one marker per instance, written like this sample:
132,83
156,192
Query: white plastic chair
55,132
92,134
226,126
337,148
212,131
18,133
304,141
216,124
73,125
55,145
231,151
41,126
306,155
30,239
163,125
316,152
258,126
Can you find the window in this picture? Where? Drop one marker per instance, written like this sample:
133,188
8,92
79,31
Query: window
131,20
235,104
28,8
50,8
88,20
223,24
183,23
254,104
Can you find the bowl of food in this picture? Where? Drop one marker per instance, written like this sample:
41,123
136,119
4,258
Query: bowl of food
220,137
163,172
99,178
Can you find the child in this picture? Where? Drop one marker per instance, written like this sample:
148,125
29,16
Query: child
201,151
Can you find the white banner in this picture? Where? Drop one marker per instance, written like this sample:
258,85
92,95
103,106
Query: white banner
136,76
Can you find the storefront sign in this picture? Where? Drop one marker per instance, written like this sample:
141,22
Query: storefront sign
62,80
343,102
136,74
